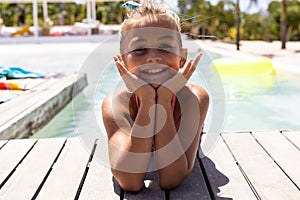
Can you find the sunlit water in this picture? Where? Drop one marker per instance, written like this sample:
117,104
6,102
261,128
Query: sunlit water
265,102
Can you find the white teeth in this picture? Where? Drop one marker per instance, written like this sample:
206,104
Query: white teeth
153,71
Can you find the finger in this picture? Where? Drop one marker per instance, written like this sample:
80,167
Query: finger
120,58
186,68
193,65
117,58
196,60
122,70
190,68
191,71
120,64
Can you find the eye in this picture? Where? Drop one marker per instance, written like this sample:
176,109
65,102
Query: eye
165,46
139,51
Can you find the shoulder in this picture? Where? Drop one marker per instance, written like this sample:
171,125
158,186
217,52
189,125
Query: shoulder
115,102
107,104
199,92
115,112
107,111
115,106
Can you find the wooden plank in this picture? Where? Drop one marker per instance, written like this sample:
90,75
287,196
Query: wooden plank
99,182
266,177
2,142
293,136
225,178
30,173
65,177
153,191
11,154
193,187
285,154
35,110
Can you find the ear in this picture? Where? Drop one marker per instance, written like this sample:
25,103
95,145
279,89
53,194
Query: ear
184,53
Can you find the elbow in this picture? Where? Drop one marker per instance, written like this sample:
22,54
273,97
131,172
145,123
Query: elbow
165,185
131,185
171,182
129,181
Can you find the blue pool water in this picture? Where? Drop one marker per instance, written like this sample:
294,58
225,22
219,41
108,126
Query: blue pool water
264,102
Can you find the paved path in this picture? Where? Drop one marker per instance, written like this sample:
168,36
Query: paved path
288,59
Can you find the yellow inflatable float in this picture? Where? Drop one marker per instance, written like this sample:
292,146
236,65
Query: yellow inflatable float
257,65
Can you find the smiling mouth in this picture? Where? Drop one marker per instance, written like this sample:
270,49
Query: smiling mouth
153,71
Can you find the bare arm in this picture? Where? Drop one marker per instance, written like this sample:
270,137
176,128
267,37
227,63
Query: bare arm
130,143
129,153
176,149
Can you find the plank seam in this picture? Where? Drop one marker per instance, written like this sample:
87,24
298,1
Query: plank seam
275,161
167,194
15,168
281,132
122,194
4,144
49,171
207,182
87,167
241,170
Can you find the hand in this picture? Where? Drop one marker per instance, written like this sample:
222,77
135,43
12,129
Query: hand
178,81
134,83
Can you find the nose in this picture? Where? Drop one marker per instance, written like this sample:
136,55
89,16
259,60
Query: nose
153,55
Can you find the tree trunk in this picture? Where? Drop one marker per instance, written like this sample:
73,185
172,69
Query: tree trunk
283,24
238,22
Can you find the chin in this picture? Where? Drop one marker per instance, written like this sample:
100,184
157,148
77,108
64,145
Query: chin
155,85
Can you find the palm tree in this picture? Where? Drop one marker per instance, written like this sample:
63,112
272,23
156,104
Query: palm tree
238,24
283,24
238,21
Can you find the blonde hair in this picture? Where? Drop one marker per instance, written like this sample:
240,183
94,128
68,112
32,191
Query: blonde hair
149,12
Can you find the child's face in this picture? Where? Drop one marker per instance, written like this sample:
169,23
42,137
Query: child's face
153,53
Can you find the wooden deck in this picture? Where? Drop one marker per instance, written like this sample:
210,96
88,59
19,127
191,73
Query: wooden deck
247,165
24,115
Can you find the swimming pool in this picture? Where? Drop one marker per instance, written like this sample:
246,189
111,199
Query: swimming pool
265,102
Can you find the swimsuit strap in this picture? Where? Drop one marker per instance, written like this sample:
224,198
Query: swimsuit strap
173,102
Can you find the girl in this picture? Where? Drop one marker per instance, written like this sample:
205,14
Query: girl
160,115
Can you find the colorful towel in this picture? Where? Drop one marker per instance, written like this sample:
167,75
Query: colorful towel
17,72
14,84
6,96
20,82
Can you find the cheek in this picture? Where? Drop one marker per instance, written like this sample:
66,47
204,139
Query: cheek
130,62
175,62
